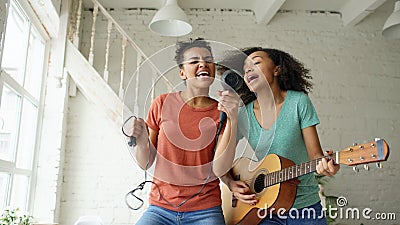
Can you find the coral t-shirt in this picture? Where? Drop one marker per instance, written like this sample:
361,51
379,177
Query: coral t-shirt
185,145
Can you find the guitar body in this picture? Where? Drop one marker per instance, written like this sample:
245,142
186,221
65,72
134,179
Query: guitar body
236,212
274,180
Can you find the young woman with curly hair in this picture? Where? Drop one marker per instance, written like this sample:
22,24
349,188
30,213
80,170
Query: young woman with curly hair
279,118
179,137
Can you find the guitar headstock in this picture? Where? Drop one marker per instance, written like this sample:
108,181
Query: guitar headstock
375,151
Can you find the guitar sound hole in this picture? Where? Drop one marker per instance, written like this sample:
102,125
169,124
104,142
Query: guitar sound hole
259,183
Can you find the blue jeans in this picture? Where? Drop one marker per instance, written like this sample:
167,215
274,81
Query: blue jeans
156,215
304,216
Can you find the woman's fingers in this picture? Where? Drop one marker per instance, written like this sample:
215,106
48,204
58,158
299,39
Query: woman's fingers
242,192
228,102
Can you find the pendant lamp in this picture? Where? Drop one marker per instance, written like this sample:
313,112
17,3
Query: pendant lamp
170,20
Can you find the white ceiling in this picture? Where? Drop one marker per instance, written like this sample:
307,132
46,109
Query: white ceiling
352,11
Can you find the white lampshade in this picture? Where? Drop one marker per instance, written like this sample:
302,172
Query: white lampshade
170,20
391,29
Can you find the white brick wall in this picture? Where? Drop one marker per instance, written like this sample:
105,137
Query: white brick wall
356,78
98,169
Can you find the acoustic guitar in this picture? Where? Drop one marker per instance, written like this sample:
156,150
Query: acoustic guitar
274,180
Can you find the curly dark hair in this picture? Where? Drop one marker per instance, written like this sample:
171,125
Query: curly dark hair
183,46
293,74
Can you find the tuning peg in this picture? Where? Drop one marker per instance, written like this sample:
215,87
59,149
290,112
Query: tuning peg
372,145
355,144
379,165
366,167
355,169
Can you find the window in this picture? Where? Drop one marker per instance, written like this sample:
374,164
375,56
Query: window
22,70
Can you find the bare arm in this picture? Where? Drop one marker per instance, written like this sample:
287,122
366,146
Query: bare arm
225,150
314,150
146,142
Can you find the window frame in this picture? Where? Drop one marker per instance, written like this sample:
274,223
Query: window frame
6,79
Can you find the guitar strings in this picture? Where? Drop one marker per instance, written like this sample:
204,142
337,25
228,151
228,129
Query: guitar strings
302,166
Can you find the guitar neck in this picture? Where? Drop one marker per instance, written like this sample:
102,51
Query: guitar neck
375,151
293,172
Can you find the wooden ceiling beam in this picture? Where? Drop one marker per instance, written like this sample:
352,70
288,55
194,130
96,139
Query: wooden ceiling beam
265,10
355,11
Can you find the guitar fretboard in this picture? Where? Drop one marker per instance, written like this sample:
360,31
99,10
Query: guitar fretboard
292,172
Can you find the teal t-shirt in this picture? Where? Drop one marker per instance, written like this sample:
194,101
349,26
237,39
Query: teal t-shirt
284,138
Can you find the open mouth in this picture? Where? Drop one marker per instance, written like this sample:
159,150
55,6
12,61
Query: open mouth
252,77
203,74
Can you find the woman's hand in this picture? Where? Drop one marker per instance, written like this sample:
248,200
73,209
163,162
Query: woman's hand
229,103
140,131
327,167
242,192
